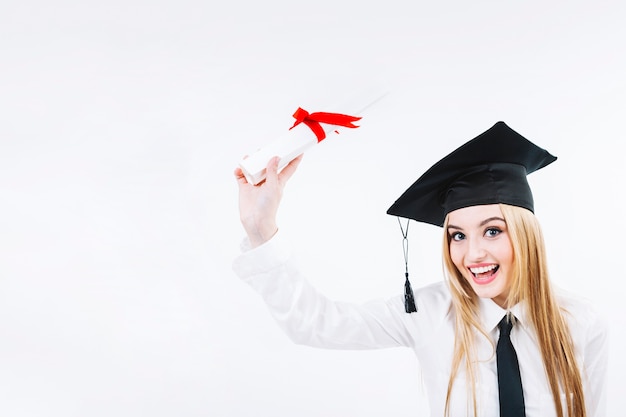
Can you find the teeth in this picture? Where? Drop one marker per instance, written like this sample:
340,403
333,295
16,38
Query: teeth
483,269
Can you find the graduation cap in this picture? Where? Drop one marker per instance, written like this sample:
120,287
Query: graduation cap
489,169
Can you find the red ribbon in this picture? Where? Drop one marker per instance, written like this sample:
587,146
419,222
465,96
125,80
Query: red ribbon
313,120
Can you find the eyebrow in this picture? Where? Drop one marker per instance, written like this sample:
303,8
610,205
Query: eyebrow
484,222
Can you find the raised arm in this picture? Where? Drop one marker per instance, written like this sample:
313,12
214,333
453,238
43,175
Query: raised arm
307,316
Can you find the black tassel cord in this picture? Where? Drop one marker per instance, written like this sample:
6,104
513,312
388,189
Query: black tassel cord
409,299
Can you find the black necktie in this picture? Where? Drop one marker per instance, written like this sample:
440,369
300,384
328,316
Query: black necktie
509,380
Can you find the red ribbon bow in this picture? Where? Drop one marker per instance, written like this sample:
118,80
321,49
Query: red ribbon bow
313,120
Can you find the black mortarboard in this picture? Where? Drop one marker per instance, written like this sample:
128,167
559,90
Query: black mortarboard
489,169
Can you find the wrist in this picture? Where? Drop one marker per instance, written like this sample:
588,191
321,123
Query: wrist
262,235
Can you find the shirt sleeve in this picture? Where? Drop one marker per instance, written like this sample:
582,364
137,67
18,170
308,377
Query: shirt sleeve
590,334
310,318
595,367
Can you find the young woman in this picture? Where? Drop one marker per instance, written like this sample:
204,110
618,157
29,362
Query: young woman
493,338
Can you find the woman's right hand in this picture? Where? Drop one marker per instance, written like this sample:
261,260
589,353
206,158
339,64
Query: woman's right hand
258,204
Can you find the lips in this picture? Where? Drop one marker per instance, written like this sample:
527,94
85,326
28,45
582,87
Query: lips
484,274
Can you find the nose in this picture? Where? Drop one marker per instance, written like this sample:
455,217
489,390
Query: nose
476,250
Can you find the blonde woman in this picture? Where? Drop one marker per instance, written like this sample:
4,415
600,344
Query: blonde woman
507,342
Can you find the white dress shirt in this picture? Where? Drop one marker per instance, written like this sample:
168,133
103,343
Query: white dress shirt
310,318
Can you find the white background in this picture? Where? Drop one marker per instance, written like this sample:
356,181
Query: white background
121,123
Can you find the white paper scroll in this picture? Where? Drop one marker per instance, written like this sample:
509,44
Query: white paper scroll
297,140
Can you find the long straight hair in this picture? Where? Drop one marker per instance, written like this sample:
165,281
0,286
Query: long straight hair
530,284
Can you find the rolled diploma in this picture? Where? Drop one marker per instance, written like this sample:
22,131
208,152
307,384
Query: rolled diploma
297,140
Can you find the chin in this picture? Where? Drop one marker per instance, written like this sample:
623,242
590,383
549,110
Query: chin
487,293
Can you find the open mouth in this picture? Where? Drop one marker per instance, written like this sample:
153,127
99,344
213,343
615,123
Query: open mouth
484,273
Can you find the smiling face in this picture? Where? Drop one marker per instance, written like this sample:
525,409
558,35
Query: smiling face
480,248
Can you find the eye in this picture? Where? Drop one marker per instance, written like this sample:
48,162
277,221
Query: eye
492,232
457,236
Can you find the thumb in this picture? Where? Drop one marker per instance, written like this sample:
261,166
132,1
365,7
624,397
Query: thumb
272,170
291,167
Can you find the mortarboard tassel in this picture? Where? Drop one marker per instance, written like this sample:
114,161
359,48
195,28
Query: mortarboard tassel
409,299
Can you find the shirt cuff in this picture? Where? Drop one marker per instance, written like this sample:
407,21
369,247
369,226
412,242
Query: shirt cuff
264,258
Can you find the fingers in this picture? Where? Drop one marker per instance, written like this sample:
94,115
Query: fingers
239,176
272,176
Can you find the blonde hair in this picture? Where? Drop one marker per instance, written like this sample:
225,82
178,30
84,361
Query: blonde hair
531,284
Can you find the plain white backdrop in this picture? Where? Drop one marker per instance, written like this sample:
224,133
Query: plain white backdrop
121,123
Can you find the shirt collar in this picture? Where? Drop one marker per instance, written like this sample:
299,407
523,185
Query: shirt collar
491,313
